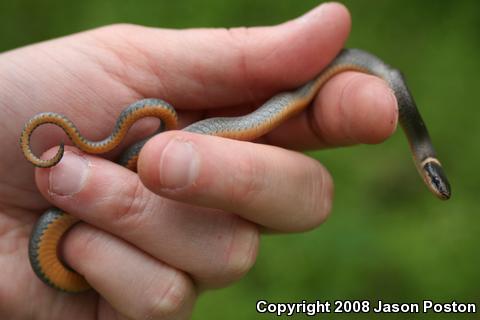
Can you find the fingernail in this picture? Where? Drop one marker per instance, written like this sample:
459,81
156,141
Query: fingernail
69,175
179,164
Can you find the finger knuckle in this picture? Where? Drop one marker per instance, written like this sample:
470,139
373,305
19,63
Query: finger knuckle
117,28
242,252
83,243
247,180
319,195
170,300
239,40
132,206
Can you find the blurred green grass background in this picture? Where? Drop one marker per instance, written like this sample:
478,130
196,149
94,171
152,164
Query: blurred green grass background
387,237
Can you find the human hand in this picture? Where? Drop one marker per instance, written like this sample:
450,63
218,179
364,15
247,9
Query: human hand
189,221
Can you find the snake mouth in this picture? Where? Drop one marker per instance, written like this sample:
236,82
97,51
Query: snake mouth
437,179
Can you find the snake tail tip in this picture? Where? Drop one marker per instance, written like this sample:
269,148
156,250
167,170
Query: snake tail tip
437,179
52,161
59,155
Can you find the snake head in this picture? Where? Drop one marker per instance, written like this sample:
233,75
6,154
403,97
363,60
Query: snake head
436,179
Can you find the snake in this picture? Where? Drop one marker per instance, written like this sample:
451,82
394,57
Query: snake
53,223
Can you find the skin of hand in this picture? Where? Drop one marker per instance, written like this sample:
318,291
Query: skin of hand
191,219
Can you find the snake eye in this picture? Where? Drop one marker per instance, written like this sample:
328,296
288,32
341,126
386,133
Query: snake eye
438,180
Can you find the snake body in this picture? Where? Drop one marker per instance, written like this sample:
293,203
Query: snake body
54,222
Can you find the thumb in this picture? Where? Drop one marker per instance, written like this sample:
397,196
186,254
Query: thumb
198,68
